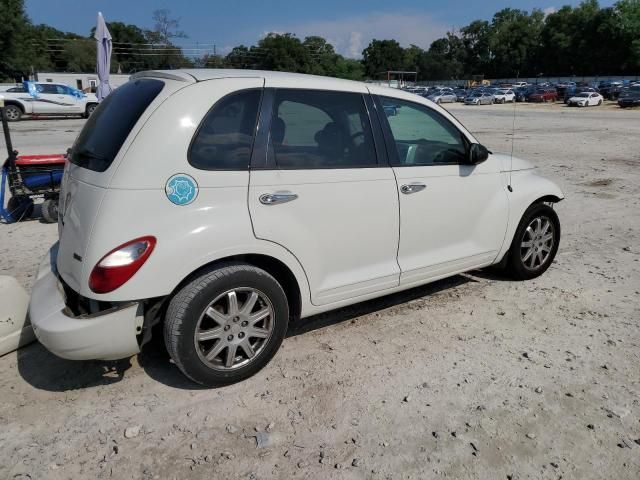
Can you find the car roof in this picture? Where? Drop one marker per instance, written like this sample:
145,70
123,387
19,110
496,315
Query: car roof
204,74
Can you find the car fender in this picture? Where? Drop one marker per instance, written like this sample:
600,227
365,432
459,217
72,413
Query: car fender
527,188
27,107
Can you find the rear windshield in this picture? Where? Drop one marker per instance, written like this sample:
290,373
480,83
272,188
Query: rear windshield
108,127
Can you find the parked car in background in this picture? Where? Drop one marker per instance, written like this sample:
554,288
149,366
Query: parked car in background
519,84
630,97
51,99
479,98
577,90
522,93
585,99
504,96
220,230
443,96
544,95
461,94
610,90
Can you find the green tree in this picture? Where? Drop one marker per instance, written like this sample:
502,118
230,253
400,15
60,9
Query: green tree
282,52
381,56
475,38
14,26
514,41
627,13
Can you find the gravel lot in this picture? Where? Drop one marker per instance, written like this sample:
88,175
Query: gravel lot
472,377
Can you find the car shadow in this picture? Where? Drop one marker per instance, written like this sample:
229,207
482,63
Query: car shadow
156,363
43,370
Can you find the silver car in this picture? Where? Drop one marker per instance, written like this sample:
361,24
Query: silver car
444,96
479,98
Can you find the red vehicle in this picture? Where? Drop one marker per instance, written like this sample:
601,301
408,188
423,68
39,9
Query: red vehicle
544,95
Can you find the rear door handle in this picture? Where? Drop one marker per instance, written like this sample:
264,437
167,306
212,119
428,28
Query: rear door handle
276,198
412,188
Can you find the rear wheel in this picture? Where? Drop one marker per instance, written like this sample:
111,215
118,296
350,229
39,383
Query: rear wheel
50,211
13,113
19,208
535,242
226,325
91,107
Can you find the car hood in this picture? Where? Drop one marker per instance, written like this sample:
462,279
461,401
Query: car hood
576,99
514,164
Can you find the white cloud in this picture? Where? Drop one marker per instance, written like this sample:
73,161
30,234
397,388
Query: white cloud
549,11
352,34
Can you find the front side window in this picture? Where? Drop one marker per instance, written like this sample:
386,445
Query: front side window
423,136
321,129
225,137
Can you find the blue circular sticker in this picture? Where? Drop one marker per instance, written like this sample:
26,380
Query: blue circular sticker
181,189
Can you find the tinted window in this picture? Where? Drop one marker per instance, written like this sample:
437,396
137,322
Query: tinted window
225,137
320,129
423,136
16,90
108,127
44,88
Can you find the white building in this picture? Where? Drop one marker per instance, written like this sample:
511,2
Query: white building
81,81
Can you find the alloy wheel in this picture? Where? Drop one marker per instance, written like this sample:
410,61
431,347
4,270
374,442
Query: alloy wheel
12,113
537,243
234,329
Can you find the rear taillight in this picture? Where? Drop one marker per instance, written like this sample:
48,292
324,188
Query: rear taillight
120,264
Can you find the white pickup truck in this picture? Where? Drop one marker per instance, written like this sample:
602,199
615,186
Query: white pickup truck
51,99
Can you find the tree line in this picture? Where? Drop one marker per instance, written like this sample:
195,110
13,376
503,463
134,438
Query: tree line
583,40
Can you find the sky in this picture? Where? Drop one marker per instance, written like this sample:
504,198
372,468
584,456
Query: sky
348,25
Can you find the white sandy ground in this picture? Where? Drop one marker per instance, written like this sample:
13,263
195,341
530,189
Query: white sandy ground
474,377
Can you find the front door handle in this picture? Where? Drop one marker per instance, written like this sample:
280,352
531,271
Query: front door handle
276,198
412,188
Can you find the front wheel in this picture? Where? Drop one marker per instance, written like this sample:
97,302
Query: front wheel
535,242
226,325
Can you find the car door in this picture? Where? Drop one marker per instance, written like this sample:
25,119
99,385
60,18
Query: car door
46,101
71,103
453,215
319,189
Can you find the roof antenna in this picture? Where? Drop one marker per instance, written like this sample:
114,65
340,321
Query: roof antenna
513,133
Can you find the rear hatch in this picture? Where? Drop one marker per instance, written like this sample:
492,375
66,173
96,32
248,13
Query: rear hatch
94,158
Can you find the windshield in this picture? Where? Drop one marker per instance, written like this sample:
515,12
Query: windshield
108,127
585,94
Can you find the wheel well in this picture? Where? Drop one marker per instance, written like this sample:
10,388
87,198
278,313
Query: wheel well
15,104
548,199
272,266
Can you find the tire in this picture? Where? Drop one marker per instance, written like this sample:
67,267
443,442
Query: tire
19,208
90,109
205,302
13,113
599,103
50,211
527,262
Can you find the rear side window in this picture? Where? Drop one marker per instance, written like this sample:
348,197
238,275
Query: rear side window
321,129
225,137
108,127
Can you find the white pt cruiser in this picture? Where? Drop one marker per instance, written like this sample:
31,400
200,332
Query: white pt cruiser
223,204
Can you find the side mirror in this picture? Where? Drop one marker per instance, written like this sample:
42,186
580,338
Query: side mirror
477,153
